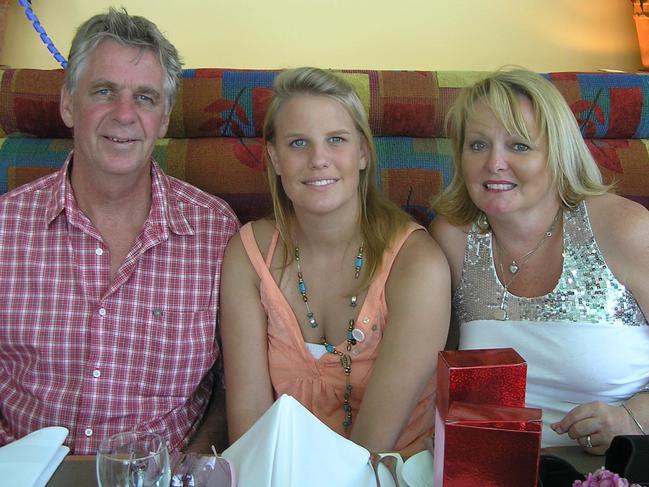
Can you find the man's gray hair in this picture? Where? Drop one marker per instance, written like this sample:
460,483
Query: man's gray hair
128,30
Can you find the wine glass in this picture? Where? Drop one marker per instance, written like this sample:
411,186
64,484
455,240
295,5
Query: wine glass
133,459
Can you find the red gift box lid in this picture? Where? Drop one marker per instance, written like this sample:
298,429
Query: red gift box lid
485,357
488,376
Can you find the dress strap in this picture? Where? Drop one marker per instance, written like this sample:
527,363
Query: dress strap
391,253
251,247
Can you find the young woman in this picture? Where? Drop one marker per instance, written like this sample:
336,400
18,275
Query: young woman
339,299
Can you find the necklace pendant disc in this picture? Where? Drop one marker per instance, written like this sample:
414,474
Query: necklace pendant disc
358,334
513,267
500,314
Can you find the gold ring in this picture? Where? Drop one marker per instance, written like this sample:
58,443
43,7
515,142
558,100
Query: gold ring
589,444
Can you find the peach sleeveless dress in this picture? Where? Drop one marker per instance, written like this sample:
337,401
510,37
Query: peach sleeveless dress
319,384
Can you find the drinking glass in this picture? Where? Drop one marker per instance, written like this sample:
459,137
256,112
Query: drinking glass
133,459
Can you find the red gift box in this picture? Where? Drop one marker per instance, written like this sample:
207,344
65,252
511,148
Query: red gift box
483,433
493,376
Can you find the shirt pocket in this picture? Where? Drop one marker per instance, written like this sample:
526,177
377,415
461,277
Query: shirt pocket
179,349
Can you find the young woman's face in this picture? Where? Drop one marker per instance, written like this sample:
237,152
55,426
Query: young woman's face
318,154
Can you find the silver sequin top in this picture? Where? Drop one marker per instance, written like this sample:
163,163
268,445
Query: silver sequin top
587,290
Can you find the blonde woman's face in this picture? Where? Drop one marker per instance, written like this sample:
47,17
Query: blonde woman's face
505,173
318,154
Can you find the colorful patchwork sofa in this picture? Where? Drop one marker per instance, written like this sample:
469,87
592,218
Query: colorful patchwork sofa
214,134
214,142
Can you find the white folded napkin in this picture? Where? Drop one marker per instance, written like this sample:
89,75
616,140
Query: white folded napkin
289,447
31,460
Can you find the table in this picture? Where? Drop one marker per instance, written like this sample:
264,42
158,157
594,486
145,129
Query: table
79,471
75,471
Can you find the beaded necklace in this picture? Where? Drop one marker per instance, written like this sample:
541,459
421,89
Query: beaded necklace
345,359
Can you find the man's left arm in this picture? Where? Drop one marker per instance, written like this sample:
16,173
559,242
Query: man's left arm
6,437
213,429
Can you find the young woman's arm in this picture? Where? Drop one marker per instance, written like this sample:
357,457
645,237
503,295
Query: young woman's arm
418,295
244,340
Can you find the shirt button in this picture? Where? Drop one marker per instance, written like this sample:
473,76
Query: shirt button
96,373
88,432
366,320
99,251
102,311
375,327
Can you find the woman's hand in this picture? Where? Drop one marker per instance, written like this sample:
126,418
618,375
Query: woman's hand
595,424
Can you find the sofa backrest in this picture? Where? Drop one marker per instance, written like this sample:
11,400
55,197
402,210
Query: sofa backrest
214,141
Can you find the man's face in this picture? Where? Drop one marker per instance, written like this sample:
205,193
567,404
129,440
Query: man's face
117,111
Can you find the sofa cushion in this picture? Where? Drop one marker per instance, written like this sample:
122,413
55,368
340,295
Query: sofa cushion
232,103
410,169
213,137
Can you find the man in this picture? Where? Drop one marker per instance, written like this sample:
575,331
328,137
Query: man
110,269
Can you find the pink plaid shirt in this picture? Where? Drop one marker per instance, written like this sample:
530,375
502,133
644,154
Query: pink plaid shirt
96,356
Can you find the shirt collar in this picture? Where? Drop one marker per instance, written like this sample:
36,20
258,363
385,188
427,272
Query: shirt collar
60,188
165,208
165,214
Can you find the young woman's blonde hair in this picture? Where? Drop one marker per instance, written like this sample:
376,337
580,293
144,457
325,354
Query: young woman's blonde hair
574,172
380,219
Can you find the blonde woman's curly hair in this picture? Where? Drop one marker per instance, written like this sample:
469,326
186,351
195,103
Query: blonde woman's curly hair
574,171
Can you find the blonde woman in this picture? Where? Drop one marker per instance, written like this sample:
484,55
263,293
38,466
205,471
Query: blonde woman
543,259
338,299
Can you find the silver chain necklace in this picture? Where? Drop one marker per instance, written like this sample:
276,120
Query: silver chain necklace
502,313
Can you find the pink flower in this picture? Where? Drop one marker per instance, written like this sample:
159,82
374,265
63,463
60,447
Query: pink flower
603,478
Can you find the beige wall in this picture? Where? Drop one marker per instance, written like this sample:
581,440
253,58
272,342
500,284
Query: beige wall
544,35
